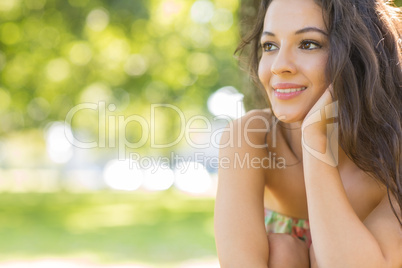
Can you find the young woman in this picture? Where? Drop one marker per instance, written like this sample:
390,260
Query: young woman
315,181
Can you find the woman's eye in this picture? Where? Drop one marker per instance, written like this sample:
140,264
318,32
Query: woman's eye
267,47
309,45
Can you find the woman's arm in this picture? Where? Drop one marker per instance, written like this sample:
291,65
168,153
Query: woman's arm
339,237
239,211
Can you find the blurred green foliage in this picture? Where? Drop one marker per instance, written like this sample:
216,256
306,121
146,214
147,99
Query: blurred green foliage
162,229
55,54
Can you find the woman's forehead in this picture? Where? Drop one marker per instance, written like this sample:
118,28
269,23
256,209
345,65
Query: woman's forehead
293,14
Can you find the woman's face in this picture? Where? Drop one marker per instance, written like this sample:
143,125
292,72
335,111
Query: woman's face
295,51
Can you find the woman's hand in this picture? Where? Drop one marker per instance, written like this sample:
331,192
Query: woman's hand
320,129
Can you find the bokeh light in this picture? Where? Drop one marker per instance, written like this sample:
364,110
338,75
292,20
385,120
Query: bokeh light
8,5
200,63
192,177
57,70
136,65
226,101
96,92
58,147
202,11
80,53
98,19
222,19
123,175
158,178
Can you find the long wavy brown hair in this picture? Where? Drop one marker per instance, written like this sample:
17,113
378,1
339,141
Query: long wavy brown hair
364,67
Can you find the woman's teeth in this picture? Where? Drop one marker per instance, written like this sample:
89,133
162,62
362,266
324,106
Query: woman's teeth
289,90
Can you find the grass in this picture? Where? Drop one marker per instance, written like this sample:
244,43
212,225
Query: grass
111,227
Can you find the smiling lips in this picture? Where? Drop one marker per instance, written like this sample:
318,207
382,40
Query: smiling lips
285,91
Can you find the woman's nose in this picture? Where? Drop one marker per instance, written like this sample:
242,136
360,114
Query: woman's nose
283,63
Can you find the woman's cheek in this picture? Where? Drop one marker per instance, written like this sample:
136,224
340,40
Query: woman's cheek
263,73
321,65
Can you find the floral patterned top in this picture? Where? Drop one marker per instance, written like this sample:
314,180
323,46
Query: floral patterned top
279,223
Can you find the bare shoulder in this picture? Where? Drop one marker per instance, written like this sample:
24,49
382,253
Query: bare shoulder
244,140
258,118
385,227
249,130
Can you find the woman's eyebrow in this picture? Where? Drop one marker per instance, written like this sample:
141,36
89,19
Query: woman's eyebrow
311,29
303,30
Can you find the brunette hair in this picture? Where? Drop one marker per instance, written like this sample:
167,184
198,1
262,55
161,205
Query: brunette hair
364,66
